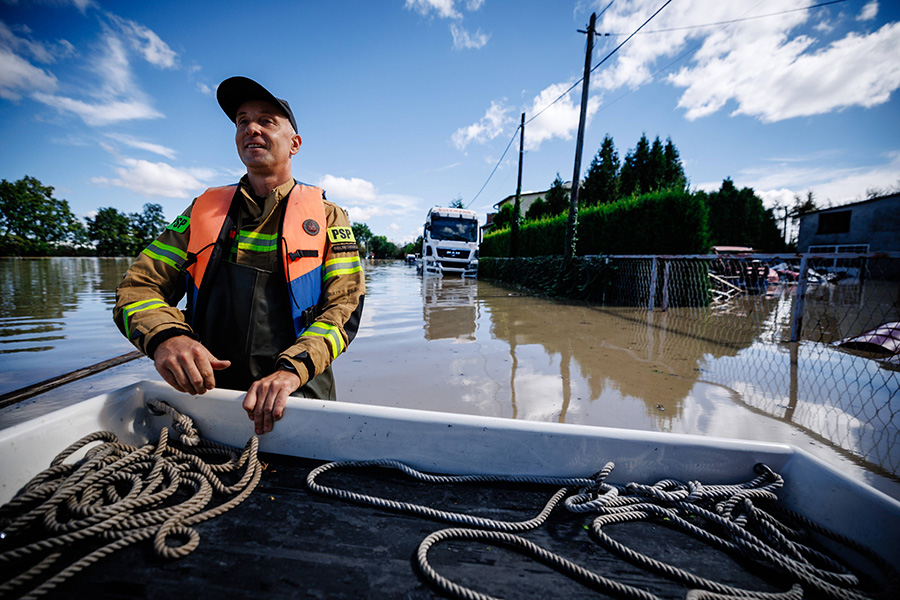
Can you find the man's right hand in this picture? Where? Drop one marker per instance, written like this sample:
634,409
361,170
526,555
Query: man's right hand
187,365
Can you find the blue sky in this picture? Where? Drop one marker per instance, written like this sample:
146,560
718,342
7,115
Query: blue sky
403,105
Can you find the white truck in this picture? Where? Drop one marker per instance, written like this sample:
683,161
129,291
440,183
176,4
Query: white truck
450,242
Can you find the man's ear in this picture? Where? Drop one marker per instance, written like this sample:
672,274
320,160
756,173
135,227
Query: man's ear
296,142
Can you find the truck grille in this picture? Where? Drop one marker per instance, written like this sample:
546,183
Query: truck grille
453,253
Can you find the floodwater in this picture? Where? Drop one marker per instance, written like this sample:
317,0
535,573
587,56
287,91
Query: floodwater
473,347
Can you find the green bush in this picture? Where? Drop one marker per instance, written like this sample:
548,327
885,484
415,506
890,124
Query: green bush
664,222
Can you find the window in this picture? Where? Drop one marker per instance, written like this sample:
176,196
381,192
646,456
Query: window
834,222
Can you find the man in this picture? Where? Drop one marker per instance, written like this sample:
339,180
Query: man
271,271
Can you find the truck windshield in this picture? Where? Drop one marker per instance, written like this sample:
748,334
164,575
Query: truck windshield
457,230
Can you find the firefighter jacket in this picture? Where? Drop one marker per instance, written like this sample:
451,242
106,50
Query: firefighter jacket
293,251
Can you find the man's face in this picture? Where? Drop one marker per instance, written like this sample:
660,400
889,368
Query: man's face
264,136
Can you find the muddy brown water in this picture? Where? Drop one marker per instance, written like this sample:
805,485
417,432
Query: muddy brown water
475,347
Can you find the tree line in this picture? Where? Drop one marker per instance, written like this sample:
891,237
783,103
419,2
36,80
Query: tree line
736,217
34,223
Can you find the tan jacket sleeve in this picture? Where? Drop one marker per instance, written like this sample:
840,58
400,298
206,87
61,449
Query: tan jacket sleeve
147,297
340,305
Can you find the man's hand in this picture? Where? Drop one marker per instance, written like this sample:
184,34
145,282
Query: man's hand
266,398
187,365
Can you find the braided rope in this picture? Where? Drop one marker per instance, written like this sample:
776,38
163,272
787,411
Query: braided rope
116,496
524,546
448,516
734,511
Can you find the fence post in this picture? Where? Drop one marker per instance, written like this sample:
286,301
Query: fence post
799,300
665,291
653,270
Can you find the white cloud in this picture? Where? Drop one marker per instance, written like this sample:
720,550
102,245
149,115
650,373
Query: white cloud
768,67
485,129
444,9
17,75
463,40
559,120
146,42
362,200
869,11
832,183
143,145
116,97
157,179
353,188
102,113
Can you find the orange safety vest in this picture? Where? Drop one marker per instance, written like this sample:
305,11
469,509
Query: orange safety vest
301,246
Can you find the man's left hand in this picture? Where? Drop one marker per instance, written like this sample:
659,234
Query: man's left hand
266,398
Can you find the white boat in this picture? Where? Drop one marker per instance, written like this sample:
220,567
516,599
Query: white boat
463,444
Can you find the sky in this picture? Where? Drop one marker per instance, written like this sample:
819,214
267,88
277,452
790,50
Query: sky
407,104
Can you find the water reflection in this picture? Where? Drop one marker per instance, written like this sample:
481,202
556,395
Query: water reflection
449,309
55,316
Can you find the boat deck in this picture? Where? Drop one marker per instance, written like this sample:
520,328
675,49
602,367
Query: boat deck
287,541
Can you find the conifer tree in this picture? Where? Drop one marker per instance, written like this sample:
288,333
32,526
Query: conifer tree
601,185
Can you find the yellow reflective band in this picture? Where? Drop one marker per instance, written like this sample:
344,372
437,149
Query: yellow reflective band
136,307
268,241
330,333
341,266
172,256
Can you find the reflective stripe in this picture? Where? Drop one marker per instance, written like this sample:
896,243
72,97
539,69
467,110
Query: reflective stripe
172,256
260,242
136,307
330,333
341,266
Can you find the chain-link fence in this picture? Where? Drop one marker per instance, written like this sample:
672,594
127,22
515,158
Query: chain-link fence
788,329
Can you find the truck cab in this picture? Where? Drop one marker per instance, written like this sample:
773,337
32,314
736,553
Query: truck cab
450,242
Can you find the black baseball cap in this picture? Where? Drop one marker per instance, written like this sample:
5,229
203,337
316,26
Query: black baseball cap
234,91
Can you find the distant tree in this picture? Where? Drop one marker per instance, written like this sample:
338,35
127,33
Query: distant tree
738,218
147,225
654,178
413,247
804,206
381,247
362,234
32,221
504,217
601,184
651,167
673,175
538,209
557,197
112,230
633,178
457,203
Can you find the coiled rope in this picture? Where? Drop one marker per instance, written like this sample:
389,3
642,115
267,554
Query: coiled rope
118,495
735,518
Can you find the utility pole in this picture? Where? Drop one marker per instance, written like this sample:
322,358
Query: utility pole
514,237
571,224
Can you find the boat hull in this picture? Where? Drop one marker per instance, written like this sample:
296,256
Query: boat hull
464,444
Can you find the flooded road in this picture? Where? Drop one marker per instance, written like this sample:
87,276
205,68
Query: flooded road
473,347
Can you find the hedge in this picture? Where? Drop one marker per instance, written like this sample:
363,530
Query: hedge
664,222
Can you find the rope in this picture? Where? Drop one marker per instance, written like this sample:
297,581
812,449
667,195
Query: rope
734,517
118,495
441,515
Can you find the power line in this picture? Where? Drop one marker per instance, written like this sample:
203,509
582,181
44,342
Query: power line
616,49
495,167
738,20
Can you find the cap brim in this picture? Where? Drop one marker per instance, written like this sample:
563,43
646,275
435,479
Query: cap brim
235,91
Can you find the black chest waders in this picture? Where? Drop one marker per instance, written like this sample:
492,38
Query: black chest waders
247,320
